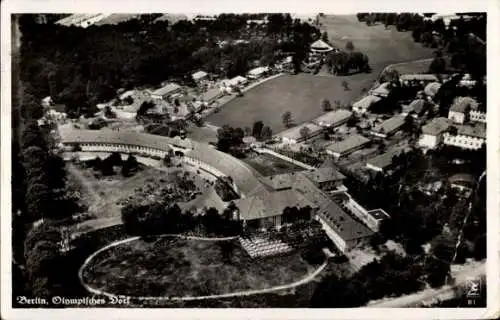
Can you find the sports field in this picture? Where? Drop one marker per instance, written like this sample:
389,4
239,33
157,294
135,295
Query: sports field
302,94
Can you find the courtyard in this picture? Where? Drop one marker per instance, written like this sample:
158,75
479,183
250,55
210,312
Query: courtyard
268,165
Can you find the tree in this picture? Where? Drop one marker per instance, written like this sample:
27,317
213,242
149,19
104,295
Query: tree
267,133
130,166
345,84
324,37
305,132
352,122
257,129
326,105
349,46
248,131
287,118
145,106
437,66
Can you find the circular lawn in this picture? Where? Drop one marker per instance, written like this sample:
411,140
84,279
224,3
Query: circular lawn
175,267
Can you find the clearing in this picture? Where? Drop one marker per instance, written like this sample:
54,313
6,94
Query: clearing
168,266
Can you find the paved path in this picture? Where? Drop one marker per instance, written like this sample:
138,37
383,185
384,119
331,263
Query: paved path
310,277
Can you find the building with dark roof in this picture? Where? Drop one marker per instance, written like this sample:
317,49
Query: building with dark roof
470,137
383,161
326,178
432,133
460,108
388,127
165,91
333,119
347,146
363,105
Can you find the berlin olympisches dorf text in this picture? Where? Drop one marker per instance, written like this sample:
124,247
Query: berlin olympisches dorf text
249,160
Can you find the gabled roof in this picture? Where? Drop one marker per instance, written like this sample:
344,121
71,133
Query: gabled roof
418,77
321,45
294,132
351,142
171,87
332,118
416,106
478,130
199,75
366,102
389,125
271,204
323,174
437,126
432,88
279,181
460,104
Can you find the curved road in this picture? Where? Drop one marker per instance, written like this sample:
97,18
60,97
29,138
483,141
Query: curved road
430,295
310,277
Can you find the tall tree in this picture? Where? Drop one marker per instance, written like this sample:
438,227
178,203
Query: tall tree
286,117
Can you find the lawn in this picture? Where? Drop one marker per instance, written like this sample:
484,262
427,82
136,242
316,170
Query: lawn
268,165
382,46
178,267
300,94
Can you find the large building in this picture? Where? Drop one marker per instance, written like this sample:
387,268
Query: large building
294,135
382,162
347,146
262,201
461,108
326,178
470,137
363,105
333,119
388,127
422,79
164,92
432,133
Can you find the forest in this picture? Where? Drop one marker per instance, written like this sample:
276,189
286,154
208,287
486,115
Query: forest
80,67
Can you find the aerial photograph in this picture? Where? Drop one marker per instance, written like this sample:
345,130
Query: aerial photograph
248,160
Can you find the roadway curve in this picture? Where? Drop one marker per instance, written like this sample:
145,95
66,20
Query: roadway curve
429,295
310,277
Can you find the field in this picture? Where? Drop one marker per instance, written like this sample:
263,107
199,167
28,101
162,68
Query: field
179,267
267,165
302,94
382,46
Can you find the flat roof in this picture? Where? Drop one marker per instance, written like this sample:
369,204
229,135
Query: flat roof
379,214
390,125
166,89
294,132
436,126
332,118
351,142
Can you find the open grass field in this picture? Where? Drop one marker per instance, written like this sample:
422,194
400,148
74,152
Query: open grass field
267,165
300,94
382,46
178,267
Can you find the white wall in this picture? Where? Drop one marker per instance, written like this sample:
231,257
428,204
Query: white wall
429,141
464,142
457,117
337,240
